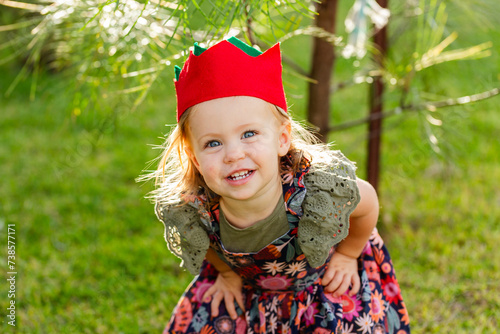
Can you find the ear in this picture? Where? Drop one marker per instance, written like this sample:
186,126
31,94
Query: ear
285,138
189,152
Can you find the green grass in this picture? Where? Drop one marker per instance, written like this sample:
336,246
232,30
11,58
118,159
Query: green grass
90,253
91,256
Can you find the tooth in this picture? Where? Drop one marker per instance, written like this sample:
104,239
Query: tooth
239,174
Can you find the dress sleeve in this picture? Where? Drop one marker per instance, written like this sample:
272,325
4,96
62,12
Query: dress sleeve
185,234
331,196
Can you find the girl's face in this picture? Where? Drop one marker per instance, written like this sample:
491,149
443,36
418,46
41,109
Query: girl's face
235,143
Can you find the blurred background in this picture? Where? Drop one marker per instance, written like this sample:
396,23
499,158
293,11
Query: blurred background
407,89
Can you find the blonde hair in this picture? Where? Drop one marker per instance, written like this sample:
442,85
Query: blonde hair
177,177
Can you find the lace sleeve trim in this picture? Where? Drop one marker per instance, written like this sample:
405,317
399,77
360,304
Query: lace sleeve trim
185,234
332,195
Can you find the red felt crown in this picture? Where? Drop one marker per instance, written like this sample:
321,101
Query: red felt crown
226,70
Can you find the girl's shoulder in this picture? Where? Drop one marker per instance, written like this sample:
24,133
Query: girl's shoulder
334,162
186,232
331,196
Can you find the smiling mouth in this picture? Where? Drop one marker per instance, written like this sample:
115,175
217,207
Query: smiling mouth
240,175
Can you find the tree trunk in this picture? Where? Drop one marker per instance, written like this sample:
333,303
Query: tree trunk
376,107
321,70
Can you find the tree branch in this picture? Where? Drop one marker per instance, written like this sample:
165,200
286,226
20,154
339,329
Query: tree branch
21,5
431,106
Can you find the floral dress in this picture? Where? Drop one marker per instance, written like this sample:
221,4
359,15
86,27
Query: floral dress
282,291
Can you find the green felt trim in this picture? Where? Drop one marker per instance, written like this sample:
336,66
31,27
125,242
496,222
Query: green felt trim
244,47
177,71
198,50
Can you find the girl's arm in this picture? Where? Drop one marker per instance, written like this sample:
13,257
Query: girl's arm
342,269
227,286
362,222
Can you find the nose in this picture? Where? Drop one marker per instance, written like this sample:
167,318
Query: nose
233,152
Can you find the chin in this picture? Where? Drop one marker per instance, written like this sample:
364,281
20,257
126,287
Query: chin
239,196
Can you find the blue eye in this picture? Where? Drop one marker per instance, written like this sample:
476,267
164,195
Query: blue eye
249,134
213,143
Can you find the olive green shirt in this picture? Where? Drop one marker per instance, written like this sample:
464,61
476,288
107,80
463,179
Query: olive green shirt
254,238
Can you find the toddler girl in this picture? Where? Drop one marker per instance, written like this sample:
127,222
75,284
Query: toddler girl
278,229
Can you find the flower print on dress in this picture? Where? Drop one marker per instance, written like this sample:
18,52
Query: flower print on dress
377,307
372,270
285,328
248,272
348,328
379,255
199,290
207,329
224,325
244,260
307,281
351,305
278,282
404,314
273,305
200,319
249,327
335,301
239,260
185,308
391,290
309,313
273,323
295,267
271,252
378,329
327,313
367,250
262,317
241,326
365,323
274,267
386,268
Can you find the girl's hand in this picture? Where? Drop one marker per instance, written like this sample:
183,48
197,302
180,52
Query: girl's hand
227,286
342,271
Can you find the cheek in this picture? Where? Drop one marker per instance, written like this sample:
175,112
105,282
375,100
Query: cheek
211,172
266,156
268,149
207,168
